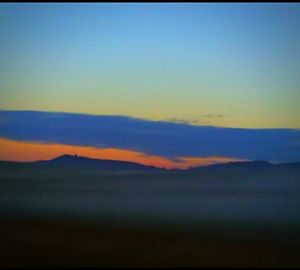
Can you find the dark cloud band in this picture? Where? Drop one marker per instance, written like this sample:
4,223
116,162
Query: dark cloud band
162,138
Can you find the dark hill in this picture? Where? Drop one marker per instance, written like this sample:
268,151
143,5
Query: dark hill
74,162
91,163
248,167
239,165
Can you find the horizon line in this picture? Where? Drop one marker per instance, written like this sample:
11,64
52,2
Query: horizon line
153,166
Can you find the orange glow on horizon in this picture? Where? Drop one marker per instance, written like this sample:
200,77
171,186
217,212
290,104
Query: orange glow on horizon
27,151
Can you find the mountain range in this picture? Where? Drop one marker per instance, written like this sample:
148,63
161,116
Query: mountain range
79,162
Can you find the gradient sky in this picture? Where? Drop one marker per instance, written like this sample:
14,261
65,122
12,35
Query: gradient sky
234,65
226,65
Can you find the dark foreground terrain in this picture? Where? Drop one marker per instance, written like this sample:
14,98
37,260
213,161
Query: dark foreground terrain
231,215
51,243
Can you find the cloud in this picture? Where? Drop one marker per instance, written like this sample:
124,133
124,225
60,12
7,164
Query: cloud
211,115
161,138
181,120
196,119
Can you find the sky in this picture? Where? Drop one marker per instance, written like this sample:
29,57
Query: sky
194,65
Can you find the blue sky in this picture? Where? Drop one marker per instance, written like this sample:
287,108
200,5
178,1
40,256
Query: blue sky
154,61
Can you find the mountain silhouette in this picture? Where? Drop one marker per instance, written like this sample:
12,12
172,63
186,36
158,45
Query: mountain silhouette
256,164
92,163
76,162
243,169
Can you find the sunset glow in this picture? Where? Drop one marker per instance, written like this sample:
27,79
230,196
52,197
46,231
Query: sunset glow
27,151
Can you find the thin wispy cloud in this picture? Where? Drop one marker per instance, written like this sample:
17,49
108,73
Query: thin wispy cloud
201,119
